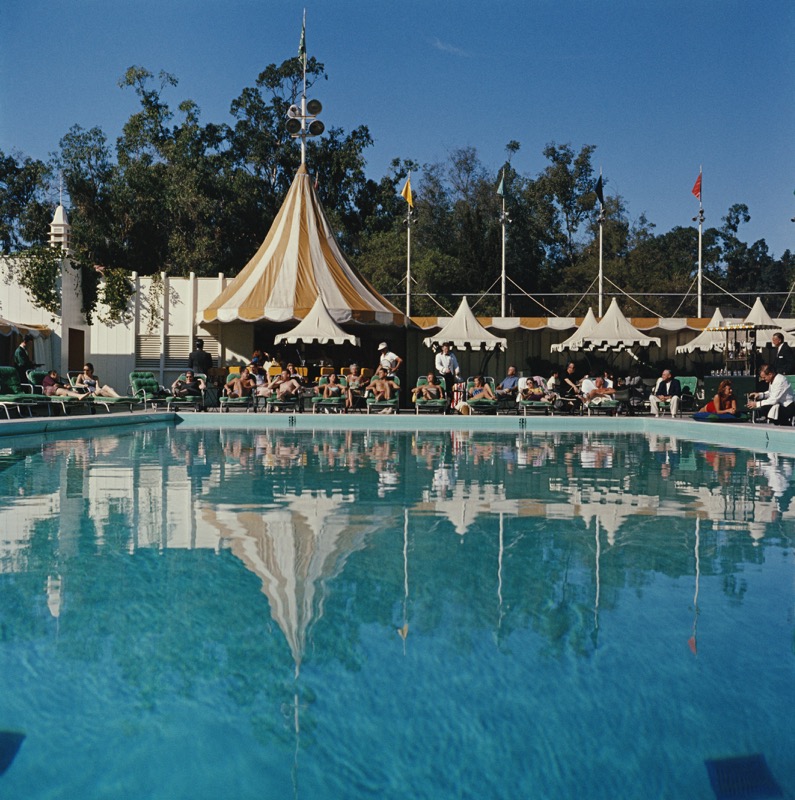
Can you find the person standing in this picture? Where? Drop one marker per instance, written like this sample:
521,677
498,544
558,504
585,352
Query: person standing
782,356
23,361
199,360
447,367
388,360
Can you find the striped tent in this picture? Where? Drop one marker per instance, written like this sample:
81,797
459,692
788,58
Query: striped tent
299,261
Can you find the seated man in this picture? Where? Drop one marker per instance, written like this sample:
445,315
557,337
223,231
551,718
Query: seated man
600,392
190,387
778,401
509,386
258,377
382,386
285,386
432,390
667,390
241,386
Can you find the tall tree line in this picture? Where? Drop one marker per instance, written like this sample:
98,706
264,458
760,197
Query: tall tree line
177,195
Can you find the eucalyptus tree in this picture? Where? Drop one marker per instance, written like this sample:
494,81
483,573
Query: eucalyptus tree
24,211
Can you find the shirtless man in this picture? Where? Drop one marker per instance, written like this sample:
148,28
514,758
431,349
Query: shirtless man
382,386
284,386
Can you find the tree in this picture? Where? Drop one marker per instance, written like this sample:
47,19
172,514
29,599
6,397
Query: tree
24,212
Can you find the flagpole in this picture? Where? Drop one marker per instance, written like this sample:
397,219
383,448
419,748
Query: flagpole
700,219
303,93
503,222
408,265
601,241
409,198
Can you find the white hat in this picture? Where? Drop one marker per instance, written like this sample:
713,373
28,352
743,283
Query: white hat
383,346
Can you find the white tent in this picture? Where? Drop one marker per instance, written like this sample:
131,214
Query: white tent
708,339
759,317
299,261
575,341
317,326
616,332
464,331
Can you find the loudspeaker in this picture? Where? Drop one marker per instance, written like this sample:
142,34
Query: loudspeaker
316,128
314,107
293,126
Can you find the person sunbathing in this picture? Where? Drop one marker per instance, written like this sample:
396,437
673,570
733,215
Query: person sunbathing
355,386
333,387
284,386
432,390
93,385
240,386
600,392
724,401
53,386
481,390
190,387
382,386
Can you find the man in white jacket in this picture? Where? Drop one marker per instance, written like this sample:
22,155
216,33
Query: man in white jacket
778,400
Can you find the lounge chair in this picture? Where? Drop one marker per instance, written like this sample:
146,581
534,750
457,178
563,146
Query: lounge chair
382,406
422,406
35,379
95,400
12,396
195,402
328,405
144,388
225,402
536,405
481,406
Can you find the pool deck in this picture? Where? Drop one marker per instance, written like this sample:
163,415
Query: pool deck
767,438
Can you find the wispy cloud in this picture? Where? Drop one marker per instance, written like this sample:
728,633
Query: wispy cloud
446,47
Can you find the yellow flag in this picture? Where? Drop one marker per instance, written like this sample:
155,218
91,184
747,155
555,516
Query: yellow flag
406,193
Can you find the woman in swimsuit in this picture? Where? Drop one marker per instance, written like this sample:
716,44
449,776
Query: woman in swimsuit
92,384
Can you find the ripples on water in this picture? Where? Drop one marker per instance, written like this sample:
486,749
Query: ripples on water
374,614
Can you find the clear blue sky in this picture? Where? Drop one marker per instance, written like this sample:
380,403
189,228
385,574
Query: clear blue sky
659,87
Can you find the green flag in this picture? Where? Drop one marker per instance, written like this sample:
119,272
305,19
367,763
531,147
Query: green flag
501,187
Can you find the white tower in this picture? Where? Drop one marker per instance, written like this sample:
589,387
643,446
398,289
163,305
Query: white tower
60,230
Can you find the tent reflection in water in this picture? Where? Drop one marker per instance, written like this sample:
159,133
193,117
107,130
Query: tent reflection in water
295,551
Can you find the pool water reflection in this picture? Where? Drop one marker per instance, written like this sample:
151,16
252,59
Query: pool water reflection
221,613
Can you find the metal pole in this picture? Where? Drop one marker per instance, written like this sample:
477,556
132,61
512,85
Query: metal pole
601,219
408,266
700,230
502,291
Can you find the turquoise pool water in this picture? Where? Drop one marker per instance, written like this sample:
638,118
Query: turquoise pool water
220,613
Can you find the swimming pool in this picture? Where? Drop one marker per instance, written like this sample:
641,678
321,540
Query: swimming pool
201,611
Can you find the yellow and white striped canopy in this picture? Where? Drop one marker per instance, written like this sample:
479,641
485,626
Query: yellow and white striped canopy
299,260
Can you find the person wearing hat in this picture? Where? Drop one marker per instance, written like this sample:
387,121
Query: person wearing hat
388,360
199,360
22,359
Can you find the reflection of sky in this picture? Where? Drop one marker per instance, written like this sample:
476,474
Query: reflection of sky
456,587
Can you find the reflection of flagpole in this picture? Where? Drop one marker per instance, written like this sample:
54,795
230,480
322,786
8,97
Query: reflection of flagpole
499,571
598,580
403,631
297,729
691,642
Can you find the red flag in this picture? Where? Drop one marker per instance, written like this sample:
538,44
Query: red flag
697,188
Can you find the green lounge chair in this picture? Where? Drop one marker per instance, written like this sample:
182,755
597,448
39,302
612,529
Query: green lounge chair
481,406
422,406
531,406
226,403
196,402
382,406
329,405
146,390
12,396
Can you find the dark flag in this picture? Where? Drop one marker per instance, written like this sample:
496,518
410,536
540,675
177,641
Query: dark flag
599,192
